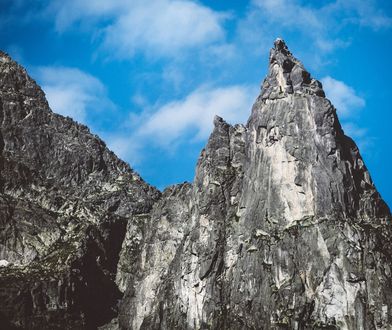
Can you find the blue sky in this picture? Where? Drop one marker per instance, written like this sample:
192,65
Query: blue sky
149,78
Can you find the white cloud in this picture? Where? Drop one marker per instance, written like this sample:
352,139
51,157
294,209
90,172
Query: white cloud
173,121
360,135
181,122
72,92
354,131
125,146
68,13
347,104
321,25
342,96
290,13
161,27
364,12
164,27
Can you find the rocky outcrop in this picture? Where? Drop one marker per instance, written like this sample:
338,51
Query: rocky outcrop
65,201
282,227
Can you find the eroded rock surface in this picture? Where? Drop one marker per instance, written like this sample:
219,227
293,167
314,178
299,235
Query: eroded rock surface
65,201
282,227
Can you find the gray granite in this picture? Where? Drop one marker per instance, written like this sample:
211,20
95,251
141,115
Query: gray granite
282,227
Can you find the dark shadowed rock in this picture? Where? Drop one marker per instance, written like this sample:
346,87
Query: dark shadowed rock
282,227
65,200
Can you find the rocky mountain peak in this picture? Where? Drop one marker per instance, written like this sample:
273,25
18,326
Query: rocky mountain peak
281,53
287,75
276,231
20,94
65,200
282,227
296,126
4,56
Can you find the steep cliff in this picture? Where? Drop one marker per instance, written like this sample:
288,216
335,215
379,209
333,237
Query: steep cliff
282,227
65,200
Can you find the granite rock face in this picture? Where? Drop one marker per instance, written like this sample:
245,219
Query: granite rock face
65,201
282,227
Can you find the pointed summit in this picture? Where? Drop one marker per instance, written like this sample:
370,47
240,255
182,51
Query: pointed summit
282,227
287,75
282,215
280,48
19,93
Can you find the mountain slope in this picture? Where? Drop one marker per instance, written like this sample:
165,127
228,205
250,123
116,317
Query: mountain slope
65,200
282,227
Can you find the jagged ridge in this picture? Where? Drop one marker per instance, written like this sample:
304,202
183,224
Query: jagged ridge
65,200
282,227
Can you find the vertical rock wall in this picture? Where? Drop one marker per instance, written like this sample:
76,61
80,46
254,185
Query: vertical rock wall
285,229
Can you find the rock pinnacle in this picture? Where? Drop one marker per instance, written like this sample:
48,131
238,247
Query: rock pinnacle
287,75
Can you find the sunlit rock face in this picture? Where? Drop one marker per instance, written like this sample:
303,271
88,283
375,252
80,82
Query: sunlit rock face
282,227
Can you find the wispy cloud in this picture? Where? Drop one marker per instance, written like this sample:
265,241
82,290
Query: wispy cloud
347,103
72,92
283,10
164,27
354,131
160,27
125,146
320,24
185,121
344,97
188,34
360,135
195,114
363,12
73,12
